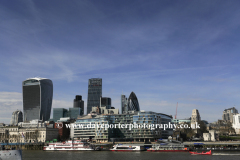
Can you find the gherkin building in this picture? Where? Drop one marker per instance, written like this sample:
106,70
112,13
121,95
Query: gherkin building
133,104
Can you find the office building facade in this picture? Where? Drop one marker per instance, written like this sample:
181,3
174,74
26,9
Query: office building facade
79,103
59,113
228,114
94,93
105,101
73,113
37,98
137,134
124,104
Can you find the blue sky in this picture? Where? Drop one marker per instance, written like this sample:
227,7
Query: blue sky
165,51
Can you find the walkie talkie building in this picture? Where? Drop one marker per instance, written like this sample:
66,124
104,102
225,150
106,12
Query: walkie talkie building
94,93
37,98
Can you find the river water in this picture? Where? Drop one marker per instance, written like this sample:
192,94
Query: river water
108,155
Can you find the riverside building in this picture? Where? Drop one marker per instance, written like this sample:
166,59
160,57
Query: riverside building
33,131
117,133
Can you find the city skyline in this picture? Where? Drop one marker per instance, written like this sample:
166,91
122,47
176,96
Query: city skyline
164,51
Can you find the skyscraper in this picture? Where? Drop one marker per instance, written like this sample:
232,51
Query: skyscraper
94,93
79,103
106,101
37,98
133,104
124,104
130,104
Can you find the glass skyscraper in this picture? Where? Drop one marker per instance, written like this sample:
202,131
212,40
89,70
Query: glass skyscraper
79,103
133,104
124,105
130,104
106,101
37,98
94,93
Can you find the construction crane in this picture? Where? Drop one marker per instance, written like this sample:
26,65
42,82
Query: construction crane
176,111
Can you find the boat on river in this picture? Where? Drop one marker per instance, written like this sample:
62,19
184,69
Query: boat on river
70,145
201,153
127,148
168,147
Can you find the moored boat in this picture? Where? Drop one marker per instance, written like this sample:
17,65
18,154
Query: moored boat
168,147
127,148
75,145
168,150
201,153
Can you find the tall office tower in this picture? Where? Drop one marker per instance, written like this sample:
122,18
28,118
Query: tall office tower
133,104
105,101
17,117
37,98
94,93
79,103
124,105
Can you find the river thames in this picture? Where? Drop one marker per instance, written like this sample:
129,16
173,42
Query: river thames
107,155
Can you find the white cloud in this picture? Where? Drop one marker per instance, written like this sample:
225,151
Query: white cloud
9,102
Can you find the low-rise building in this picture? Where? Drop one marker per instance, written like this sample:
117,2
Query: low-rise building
33,123
211,136
34,131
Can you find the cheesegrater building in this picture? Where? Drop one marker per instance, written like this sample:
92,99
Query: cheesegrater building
37,98
94,93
